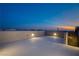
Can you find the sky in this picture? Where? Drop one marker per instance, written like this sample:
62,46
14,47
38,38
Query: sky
38,15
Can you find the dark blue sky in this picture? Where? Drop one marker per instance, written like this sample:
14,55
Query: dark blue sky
38,15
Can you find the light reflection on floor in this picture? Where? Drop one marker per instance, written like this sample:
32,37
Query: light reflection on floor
55,37
34,39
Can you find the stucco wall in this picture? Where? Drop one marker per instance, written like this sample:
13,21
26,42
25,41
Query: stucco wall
18,35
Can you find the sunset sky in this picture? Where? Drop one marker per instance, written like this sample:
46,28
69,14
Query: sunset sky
39,15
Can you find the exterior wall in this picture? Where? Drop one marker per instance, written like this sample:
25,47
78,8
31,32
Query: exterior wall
77,34
59,33
72,39
18,35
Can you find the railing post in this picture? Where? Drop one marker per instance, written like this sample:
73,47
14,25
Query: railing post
66,38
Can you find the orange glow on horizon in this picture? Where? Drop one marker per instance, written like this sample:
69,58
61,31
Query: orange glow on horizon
67,27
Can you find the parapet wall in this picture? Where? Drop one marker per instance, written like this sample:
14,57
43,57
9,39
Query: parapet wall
18,35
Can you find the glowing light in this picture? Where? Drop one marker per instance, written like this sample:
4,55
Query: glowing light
54,34
33,35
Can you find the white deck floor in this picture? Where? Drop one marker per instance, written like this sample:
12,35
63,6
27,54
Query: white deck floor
41,46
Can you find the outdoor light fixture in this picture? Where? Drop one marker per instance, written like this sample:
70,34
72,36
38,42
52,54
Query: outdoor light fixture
54,34
33,35
33,39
